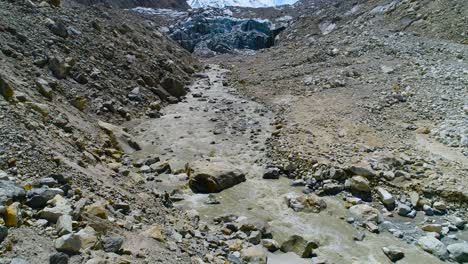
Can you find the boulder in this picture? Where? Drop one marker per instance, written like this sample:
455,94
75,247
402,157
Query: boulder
59,67
173,86
436,228
10,191
432,245
214,177
364,213
12,215
362,171
112,244
60,206
5,88
88,237
64,225
38,198
270,244
386,198
43,88
459,252
271,173
97,209
403,209
156,232
58,258
358,184
70,244
393,253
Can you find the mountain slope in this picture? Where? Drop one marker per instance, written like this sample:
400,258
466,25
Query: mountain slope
242,3
175,4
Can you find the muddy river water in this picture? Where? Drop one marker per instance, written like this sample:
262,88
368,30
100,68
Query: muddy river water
215,123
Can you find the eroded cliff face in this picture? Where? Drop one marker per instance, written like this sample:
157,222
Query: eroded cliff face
174,4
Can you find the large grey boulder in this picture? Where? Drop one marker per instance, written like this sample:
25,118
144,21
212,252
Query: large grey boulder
365,213
358,184
70,244
10,191
213,177
459,252
432,245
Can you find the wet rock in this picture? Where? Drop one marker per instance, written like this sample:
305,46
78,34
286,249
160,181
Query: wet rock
393,253
459,252
112,244
360,236
271,173
64,225
10,191
386,198
403,209
58,258
432,245
365,213
254,255
214,177
299,245
12,215
306,203
457,221
70,244
270,244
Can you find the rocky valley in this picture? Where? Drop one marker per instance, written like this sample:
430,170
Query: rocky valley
327,131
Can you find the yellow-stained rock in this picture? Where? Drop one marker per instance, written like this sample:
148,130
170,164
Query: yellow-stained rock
156,232
13,215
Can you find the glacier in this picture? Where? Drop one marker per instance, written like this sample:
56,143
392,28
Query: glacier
241,3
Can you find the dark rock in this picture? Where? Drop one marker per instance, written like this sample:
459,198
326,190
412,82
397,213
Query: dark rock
173,86
393,254
58,258
3,233
38,198
271,173
112,244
